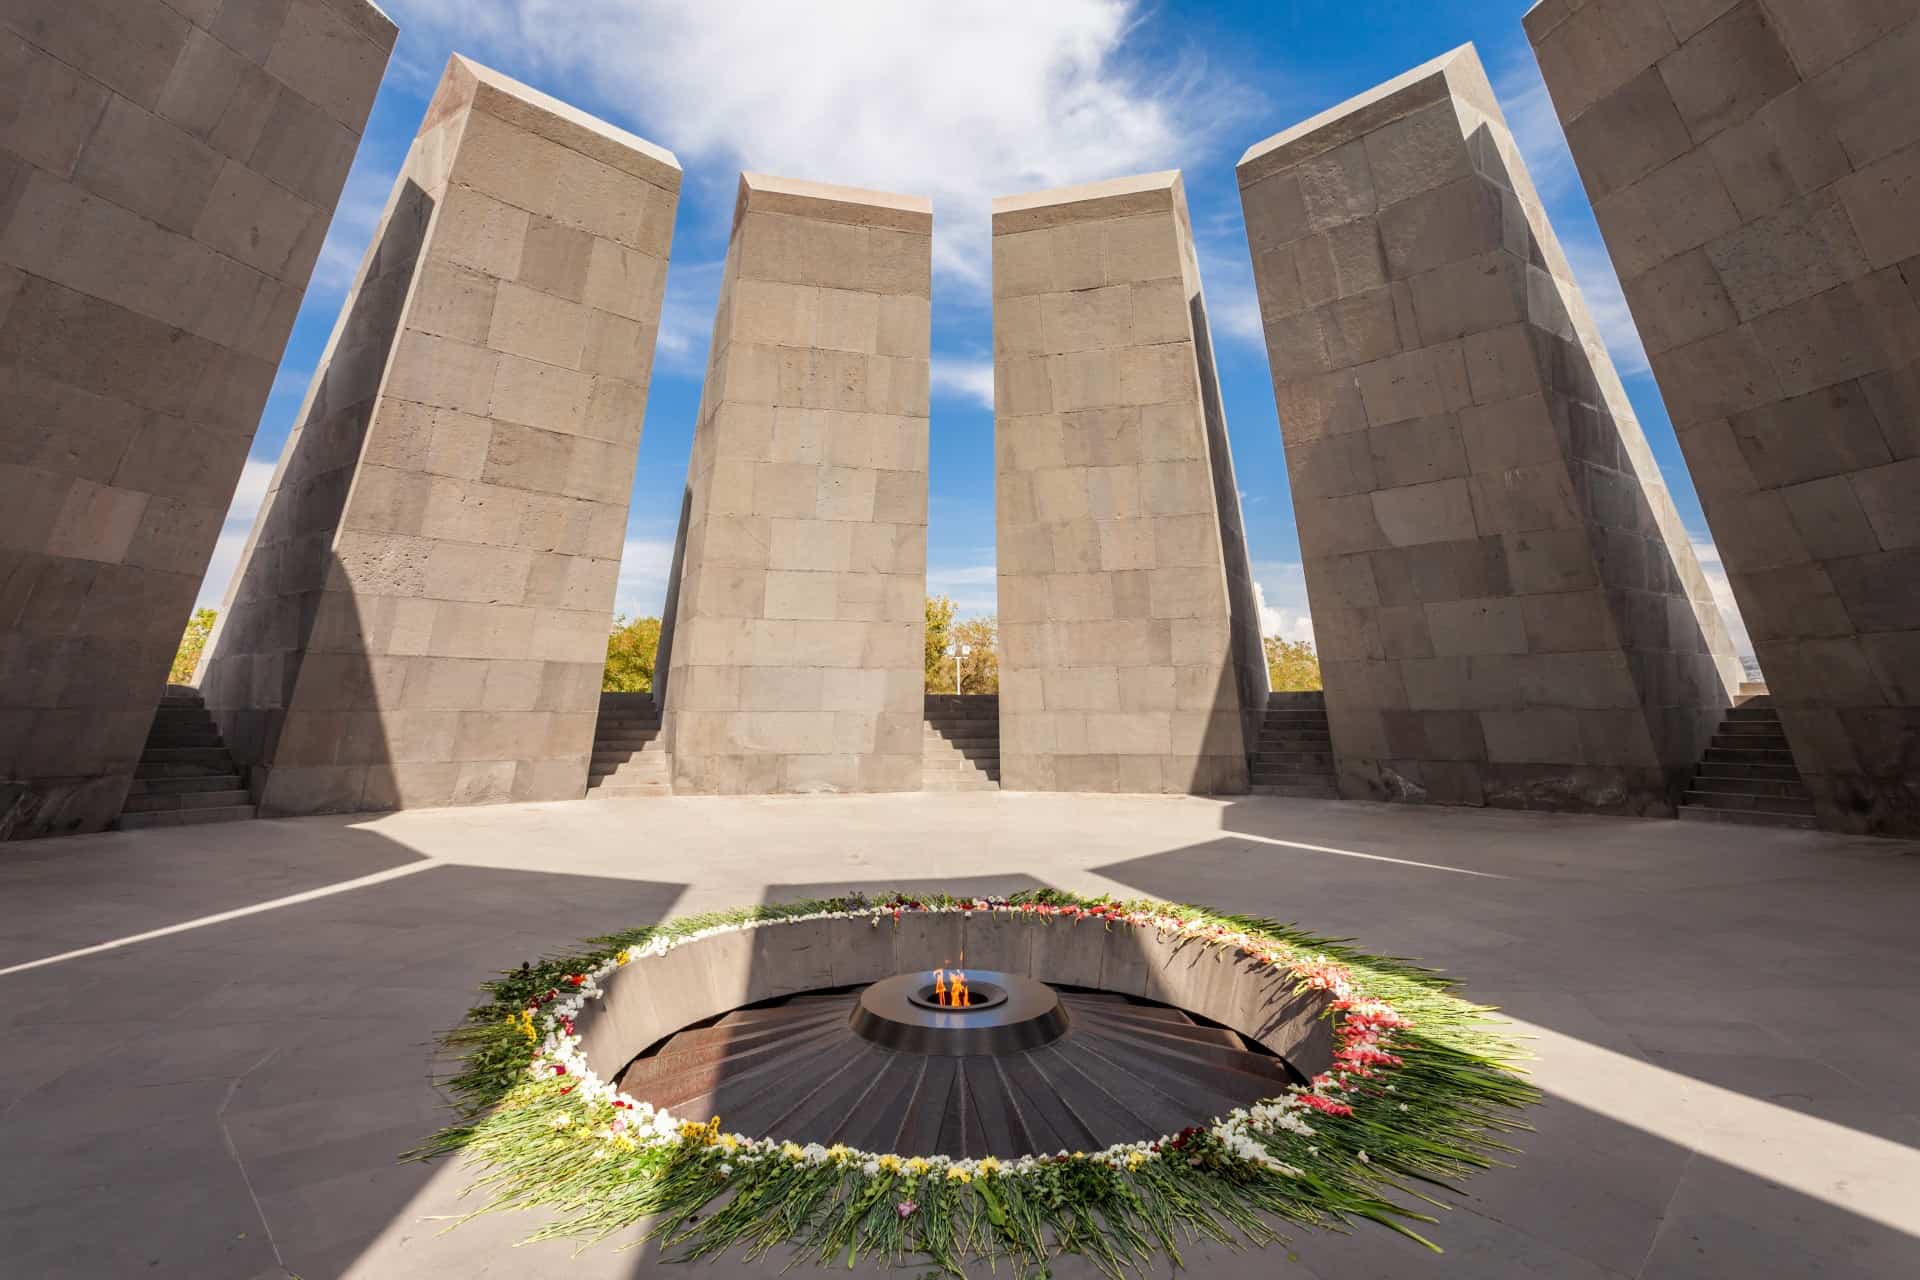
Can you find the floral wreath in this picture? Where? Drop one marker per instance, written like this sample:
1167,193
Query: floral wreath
1419,1088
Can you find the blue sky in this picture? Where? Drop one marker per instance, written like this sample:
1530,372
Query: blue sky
960,102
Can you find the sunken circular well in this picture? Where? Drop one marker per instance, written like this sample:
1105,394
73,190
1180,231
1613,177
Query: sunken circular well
809,1032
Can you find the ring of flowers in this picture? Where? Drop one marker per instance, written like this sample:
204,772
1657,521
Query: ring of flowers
1419,1086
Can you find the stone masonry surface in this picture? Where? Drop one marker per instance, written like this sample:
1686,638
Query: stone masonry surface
1131,653
1755,168
1508,607
420,616
167,174
796,644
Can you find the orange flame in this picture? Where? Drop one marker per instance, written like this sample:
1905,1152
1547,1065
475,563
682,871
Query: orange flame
951,993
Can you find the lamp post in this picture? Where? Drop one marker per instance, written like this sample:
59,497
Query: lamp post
958,651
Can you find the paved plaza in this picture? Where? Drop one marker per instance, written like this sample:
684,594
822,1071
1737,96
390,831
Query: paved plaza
221,1038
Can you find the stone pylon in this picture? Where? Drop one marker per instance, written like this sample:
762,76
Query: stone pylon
1508,609
797,639
421,613
1755,168
1131,656
166,181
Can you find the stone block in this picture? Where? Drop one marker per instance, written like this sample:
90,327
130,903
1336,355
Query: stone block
1457,557
1759,270
460,583
807,502
1109,494
153,260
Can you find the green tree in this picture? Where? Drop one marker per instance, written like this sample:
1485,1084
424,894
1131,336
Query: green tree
631,648
1292,665
940,612
980,666
187,659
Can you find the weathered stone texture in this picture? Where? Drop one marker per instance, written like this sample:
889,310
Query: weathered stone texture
799,600
1755,168
1131,653
167,174
420,617
1508,608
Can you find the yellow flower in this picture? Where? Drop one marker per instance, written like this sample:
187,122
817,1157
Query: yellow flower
728,1142
704,1134
838,1152
958,1175
1135,1160
622,956
890,1163
917,1166
987,1166
791,1150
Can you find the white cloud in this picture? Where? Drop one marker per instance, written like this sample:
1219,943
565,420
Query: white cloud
255,476
645,564
1280,590
974,589
964,379
1716,574
958,102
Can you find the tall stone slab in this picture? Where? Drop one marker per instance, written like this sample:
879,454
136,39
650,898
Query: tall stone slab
1755,168
421,613
1131,657
797,644
1508,609
167,174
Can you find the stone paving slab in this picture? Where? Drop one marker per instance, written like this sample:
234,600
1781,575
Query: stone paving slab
1725,1021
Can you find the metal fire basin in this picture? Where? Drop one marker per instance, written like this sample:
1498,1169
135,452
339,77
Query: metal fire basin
1010,1014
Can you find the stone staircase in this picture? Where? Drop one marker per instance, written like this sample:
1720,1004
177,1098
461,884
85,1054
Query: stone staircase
1748,775
628,757
186,774
1294,756
962,743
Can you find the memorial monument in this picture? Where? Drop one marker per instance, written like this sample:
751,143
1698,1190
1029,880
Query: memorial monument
797,635
420,617
166,181
1755,169
1508,609
1131,653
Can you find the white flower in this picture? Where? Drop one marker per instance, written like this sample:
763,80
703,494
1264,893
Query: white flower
725,1168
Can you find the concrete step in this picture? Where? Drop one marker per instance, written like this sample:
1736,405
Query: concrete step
174,786
943,782
209,756
1314,698
1296,759
945,761
1297,791
154,769
184,817
636,766
181,695
1746,817
169,740
1754,803
1772,772
1751,729
604,725
1706,781
163,801
635,739
620,755
1289,778
1749,755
